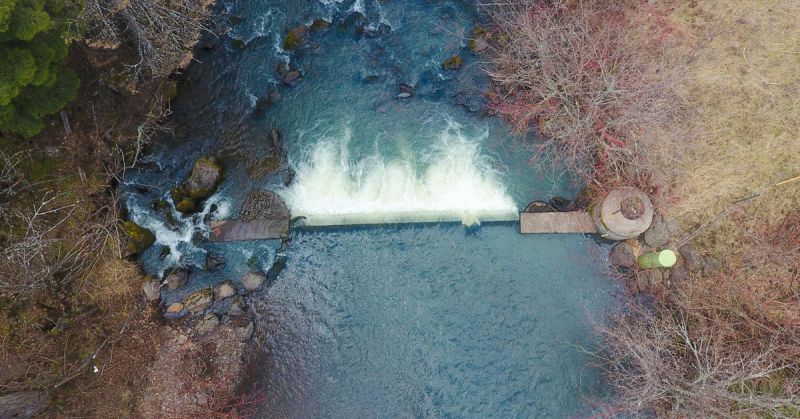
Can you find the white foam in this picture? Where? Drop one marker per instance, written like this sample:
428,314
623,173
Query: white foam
456,183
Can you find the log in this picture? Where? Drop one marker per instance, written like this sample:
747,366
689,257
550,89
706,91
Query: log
22,405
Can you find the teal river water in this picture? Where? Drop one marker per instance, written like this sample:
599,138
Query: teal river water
399,319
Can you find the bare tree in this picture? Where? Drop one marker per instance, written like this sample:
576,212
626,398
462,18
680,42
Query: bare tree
581,73
162,31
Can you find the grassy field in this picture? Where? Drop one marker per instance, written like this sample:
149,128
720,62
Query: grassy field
742,135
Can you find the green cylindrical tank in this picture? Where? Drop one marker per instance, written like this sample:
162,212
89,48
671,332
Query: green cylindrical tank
662,259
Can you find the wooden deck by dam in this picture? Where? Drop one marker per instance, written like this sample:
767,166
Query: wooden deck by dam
556,222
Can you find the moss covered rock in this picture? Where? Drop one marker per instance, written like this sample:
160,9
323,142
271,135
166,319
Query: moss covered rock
201,184
139,238
453,63
199,300
169,91
295,38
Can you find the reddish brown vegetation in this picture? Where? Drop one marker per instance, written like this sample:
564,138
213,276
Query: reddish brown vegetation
582,74
723,344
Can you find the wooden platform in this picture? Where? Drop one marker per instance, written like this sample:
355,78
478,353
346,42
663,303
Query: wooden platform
556,222
235,230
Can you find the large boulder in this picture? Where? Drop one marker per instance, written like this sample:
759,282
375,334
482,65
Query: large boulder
199,300
139,238
201,184
453,63
253,281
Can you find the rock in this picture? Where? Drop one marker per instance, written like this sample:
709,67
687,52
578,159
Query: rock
320,25
175,308
213,262
538,206
165,251
479,41
207,324
656,235
139,238
622,255
406,91
224,290
275,142
238,44
245,332
152,290
281,68
199,300
292,77
712,266
691,258
561,204
253,281
295,38
169,90
237,308
177,278
204,179
453,63
672,227
648,278
678,274
202,183
479,45
583,200
236,19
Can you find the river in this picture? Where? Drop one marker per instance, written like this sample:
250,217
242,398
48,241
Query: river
440,308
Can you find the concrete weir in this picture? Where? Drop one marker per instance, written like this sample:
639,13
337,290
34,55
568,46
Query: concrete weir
235,230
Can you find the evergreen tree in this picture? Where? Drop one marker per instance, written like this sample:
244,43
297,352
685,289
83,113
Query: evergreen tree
33,79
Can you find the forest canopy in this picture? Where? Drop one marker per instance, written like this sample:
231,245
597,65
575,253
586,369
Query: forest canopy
33,79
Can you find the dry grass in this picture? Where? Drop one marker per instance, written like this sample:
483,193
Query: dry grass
743,134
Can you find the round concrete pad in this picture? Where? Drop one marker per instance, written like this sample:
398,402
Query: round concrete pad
616,223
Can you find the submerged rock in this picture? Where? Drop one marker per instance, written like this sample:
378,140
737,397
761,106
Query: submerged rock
213,261
320,25
292,77
139,238
295,39
238,44
479,41
253,281
165,251
199,300
453,63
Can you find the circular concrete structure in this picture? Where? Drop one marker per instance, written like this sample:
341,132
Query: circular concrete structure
624,213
